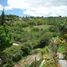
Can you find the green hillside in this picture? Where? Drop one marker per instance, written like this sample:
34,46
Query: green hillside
23,36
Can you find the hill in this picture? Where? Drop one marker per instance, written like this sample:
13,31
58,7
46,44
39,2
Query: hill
22,36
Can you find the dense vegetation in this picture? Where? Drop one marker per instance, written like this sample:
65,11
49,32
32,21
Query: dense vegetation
20,35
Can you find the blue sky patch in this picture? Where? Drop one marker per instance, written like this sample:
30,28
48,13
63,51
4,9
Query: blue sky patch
3,2
18,12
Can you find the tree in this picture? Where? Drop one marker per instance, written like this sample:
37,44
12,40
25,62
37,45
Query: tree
5,37
3,17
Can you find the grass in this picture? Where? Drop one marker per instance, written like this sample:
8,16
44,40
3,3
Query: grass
39,27
42,26
62,48
48,65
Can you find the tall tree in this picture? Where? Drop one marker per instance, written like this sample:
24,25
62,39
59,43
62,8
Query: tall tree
3,17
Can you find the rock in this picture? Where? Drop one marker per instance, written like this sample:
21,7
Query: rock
15,44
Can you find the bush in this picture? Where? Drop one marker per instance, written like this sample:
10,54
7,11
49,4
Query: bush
65,55
65,36
17,57
13,53
26,48
35,29
44,40
9,64
53,29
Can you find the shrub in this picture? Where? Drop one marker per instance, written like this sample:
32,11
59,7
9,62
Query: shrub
26,48
9,64
35,29
13,53
65,36
16,57
53,29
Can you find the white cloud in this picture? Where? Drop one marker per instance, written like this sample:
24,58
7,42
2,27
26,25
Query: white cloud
1,7
39,7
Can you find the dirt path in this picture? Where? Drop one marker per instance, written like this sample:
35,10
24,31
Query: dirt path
31,58
28,60
62,62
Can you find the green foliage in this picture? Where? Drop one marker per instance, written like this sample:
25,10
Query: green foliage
65,36
26,48
45,38
53,29
8,64
12,55
65,54
63,49
5,38
30,32
12,50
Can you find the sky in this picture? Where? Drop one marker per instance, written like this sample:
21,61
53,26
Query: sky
35,8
